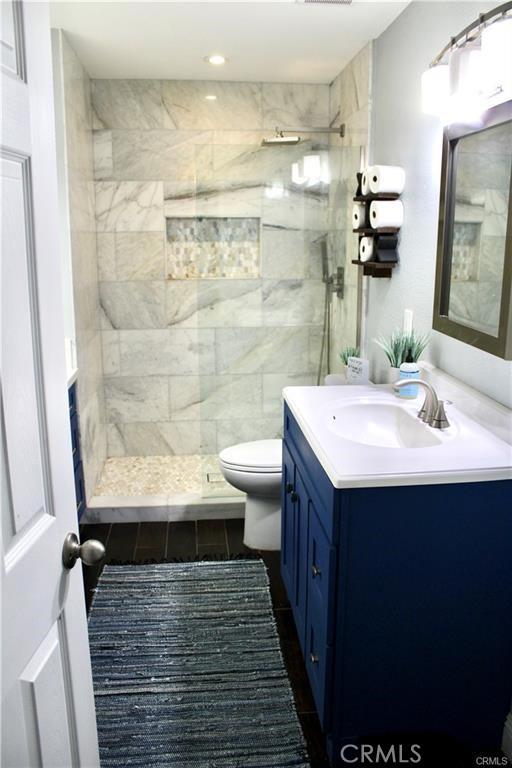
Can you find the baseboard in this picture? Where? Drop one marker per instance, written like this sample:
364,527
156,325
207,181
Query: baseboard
506,744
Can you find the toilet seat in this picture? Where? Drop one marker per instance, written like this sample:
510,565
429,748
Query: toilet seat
259,456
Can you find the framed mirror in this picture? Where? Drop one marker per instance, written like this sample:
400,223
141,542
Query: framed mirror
473,297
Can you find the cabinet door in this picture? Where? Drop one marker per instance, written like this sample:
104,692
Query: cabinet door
302,506
288,527
321,564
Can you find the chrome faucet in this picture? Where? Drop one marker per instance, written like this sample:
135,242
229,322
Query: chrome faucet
432,411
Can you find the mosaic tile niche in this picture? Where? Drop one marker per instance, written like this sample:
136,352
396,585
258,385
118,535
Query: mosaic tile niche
212,247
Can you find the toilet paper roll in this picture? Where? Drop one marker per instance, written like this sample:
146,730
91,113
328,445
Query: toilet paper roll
389,256
359,177
387,242
386,213
359,216
365,181
386,179
366,248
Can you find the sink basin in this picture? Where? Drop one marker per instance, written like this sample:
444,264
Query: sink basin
366,436
385,425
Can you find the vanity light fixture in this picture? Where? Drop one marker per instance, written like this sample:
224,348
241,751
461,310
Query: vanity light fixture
216,59
211,97
473,71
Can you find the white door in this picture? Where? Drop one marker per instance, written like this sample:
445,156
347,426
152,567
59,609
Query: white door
48,714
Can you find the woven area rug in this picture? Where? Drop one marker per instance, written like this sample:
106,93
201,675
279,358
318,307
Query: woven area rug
188,670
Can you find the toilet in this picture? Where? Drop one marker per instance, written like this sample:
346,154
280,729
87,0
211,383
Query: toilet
255,468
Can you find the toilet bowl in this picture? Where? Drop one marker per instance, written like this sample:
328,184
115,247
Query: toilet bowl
255,468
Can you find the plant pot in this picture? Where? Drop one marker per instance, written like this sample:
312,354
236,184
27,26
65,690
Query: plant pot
393,375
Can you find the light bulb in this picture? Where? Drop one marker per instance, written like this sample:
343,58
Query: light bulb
434,90
497,58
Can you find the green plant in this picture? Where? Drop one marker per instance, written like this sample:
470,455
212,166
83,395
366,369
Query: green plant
397,347
348,352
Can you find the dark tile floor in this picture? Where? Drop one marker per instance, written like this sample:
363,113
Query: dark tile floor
215,538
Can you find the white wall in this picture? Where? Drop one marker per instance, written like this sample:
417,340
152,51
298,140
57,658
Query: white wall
403,135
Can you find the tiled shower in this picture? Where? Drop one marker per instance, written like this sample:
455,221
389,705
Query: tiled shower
210,292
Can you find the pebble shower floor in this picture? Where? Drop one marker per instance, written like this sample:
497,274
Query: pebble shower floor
188,670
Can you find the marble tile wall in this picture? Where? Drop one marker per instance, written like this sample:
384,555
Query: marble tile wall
349,103
77,149
194,362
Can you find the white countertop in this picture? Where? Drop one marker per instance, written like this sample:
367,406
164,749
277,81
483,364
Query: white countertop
466,452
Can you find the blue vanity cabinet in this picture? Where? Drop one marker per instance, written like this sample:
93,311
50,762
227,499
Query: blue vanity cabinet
77,456
402,600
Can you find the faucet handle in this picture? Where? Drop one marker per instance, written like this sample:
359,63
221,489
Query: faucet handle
439,421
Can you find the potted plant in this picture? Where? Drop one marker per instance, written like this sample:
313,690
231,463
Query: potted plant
397,348
344,356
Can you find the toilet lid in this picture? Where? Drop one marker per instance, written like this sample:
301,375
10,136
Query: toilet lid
258,456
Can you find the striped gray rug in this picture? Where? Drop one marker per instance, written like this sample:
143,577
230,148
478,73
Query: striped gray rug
188,671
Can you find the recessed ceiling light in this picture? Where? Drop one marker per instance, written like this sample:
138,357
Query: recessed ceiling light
216,59
211,97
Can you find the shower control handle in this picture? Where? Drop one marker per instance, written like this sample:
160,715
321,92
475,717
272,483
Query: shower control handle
91,552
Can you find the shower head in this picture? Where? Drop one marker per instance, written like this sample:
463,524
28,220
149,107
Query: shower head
280,140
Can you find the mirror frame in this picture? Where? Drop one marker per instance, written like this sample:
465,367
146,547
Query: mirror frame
500,345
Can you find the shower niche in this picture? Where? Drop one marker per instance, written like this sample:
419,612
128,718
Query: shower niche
209,247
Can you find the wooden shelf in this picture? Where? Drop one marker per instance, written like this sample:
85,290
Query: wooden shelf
376,268
376,231
371,198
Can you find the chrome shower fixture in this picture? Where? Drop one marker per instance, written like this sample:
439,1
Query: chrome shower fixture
280,140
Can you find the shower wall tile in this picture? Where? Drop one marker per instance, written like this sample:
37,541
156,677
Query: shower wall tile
213,398
106,248
131,104
181,303
295,105
133,305
161,438
168,352
129,206
273,385
102,146
212,198
256,350
293,302
214,303
137,398
140,255
238,105
111,353
245,430
148,155
84,308
287,253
